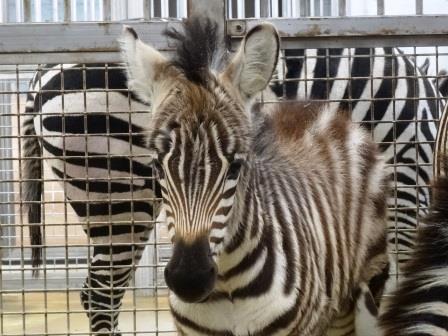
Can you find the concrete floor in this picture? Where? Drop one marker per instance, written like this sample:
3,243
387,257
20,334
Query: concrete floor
25,315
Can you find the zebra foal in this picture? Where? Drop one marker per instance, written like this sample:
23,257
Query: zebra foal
277,218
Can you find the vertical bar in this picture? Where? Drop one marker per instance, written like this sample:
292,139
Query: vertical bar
249,9
156,4
37,10
2,20
55,8
286,8
147,9
85,10
19,8
233,9
107,10
327,7
317,8
214,9
342,7
165,9
67,10
305,8
26,11
380,7
241,14
264,8
302,8
92,11
274,8
257,9
100,10
172,8
419,7
182,9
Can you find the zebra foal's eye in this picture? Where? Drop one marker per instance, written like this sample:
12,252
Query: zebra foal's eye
234,169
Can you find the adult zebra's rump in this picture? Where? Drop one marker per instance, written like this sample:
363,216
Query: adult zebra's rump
419,306
83,119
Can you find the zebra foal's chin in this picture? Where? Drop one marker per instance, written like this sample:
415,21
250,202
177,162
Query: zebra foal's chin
277,217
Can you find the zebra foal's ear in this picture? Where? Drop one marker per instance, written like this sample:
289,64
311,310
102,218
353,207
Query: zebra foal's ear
143,64
253,65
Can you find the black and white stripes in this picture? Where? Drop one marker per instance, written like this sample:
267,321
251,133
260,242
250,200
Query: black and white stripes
98,149
298,191
419,306
79,118
385,91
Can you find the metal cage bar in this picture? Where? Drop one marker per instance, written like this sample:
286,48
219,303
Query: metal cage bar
93,42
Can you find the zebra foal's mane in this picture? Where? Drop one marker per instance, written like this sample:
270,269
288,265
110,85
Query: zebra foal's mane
197,48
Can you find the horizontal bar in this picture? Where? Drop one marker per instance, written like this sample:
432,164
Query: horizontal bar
97,42
372,31
74,42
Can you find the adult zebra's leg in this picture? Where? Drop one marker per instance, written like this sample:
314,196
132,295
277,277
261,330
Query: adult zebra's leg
115,253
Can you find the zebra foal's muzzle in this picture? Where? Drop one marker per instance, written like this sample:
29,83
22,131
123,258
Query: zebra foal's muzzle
191,272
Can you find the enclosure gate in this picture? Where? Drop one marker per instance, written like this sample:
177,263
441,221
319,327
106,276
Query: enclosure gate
50,304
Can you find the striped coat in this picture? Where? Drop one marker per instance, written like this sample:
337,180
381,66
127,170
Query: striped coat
278,218
419,306
387,93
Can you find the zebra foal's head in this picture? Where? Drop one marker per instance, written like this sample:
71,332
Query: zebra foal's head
200,136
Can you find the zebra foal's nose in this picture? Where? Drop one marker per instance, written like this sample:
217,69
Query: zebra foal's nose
191,272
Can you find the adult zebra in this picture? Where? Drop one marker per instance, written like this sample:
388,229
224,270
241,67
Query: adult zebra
419,306
277,218
104,166
387,93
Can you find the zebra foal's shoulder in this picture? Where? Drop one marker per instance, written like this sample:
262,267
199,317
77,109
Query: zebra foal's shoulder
292,121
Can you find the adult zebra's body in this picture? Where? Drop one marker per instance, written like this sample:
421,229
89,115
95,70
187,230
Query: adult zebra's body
101,158
277,221
419,306
387,93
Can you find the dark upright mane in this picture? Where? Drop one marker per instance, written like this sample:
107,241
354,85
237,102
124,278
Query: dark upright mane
196,46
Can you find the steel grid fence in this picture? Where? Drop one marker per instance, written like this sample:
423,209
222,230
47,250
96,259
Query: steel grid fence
50,304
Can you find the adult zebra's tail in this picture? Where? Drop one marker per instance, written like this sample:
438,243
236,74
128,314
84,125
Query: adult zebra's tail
419,306
32,175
